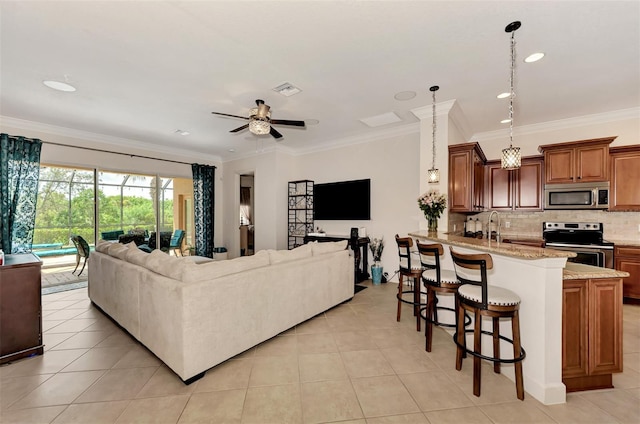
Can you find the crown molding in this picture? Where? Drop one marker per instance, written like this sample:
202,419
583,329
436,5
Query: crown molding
452,109
102,138
561,124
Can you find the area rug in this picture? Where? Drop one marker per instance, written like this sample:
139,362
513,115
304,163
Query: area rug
358,288
64,287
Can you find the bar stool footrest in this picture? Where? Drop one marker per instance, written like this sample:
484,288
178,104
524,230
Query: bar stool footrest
522,355
410,302
467,317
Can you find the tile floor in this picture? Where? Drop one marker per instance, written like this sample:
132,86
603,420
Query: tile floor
352,364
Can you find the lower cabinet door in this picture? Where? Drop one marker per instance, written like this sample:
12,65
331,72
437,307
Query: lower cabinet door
574,329
605,326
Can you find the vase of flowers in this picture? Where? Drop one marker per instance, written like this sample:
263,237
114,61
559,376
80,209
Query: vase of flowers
376,246
432,204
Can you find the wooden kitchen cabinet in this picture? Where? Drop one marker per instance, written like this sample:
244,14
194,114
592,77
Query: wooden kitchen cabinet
591,333
20,307
466,177
577,161
519,189
627,258
625,167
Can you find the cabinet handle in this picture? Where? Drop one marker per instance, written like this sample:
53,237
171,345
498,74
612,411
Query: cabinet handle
579,177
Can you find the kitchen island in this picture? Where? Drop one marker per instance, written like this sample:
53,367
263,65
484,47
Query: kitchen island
536,275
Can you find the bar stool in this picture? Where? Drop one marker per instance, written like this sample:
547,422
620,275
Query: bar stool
482,299
412,271
437,280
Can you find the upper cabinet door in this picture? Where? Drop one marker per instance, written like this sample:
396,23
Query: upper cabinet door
528,186
577,161
624,195
592,164
559,166
466,177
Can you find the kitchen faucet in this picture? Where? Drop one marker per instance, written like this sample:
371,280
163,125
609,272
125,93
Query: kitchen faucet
489,226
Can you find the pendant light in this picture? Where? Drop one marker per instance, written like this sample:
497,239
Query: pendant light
511,155
433,174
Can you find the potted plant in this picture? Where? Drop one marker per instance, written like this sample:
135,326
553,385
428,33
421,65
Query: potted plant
432,204
376,246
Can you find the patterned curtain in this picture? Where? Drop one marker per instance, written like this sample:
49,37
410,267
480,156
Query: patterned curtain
203,200
19,173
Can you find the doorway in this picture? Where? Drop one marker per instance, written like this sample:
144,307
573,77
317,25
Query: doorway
247,228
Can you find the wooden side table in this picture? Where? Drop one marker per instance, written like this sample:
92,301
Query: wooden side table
20,307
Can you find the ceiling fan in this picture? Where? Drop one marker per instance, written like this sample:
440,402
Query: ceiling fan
260,121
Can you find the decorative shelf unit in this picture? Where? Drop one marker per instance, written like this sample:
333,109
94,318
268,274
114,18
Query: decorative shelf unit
300,211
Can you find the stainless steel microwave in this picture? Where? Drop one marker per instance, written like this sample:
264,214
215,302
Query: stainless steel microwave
577,196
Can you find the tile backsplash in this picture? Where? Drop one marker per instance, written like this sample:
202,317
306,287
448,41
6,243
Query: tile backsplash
618,226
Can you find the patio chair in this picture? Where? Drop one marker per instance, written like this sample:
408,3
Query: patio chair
82,251
176,242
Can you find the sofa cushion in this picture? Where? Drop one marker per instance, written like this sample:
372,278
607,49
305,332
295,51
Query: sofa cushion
102,246
196,259
117,250
136,256
169,266
300,252
328,247
216,269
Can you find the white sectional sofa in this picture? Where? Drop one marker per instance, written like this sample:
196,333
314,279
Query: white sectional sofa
195,316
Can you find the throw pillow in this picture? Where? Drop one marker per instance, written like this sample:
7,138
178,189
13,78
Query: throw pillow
161,263
217,269
136,256
102,246
279,256
117,250
328,247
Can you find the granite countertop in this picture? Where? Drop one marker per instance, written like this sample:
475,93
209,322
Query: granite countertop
634,243
492,246
574,271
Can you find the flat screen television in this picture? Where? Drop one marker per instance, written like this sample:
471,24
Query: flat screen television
343,200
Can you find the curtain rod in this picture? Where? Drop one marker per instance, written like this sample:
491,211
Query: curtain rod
115,153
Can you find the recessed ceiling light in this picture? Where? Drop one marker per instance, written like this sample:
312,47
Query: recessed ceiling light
311,122
505,121
58,85
232,150
503,95
534,57
405,95
182,132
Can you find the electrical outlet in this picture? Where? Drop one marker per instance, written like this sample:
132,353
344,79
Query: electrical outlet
455,226
507,224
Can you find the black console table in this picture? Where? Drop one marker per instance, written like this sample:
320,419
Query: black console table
359,245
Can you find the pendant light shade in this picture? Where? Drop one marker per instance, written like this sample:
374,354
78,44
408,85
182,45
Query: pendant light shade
511,157
433,174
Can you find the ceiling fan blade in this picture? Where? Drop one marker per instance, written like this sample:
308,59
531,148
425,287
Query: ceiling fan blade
275,133
288,122
232,116
244,127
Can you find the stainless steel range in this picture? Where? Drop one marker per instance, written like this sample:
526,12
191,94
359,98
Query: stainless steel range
583,238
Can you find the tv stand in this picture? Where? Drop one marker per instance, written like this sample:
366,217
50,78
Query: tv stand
359,245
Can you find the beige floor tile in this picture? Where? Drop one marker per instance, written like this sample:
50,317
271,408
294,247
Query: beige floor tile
400,336
274,370
48,325
630,379
577,410
51,340
278,346
433,390
621,404
118,338
232,374
516,412
348,321
634,392
366,363
103,324
400,419
31,416
165,410
321,367
60,389
98,359
459,415
49,363
354,340
91,313
385,395
316,343
83,339
83,304
72,325
94,413
631,361
329,401
138,356
56,305
12,389
166,383
117,385
61,314
406,361
494,388
315,325
214,407
273,404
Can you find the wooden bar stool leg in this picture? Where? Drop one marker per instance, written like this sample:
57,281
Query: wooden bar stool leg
431,297
416,302
496,344
515,329
400,288
460,334
477,347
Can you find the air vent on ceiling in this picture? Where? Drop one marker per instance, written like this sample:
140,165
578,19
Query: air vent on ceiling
379,120
287,89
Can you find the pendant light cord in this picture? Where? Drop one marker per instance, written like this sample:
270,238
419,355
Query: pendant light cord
433,142
512,94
